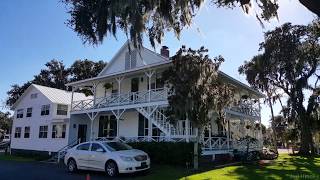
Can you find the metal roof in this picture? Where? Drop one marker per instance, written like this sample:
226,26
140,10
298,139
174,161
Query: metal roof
54,95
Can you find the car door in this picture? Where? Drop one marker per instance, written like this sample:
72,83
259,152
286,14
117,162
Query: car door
82,155
97,156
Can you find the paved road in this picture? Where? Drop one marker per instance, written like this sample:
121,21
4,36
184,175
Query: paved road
11,170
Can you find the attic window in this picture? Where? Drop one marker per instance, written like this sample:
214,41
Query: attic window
34,96
130,60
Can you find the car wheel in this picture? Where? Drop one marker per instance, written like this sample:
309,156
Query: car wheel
111,169
72,165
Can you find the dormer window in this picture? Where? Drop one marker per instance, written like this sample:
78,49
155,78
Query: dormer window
34,96
130,60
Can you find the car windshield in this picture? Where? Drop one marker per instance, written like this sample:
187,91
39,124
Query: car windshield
116,146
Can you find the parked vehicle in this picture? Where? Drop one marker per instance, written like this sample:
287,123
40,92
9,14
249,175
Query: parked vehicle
113,157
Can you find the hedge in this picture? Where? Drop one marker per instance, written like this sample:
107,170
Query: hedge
171,153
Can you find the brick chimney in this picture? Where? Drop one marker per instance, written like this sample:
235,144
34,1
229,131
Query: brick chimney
165,51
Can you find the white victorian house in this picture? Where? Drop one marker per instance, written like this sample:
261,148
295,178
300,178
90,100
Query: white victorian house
41,119
129,99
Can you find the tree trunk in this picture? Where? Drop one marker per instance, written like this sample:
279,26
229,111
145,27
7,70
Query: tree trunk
306,142
274,140
195,151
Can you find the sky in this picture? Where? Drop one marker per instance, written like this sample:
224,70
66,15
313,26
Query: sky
35,32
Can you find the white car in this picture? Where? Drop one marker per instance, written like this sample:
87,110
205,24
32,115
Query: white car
113,157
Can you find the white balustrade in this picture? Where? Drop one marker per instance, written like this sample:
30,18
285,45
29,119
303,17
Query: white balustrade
248,107
215,143
121,99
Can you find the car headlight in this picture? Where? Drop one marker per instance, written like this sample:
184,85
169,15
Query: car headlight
126,158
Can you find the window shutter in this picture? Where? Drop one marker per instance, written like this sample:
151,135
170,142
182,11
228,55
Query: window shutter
127,61
133,59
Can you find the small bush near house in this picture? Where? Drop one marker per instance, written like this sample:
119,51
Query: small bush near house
171,153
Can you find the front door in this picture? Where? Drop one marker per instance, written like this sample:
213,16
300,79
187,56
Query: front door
107,126
82,132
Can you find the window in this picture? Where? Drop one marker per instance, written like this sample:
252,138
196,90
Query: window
26,132
95,146
17,132
29,112
19,113
62,109
84,147
43,131
131,60
107,126
45,110
34,96
59,131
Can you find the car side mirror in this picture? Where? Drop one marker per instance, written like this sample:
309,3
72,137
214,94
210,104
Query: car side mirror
100,150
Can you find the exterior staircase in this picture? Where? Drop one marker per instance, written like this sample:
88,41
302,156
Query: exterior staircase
63,151
158,119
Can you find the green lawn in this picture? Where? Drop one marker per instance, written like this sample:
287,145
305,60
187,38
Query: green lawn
15,158
285,167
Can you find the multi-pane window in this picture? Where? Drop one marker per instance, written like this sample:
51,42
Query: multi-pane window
43,131
27,132
59,131
34,96
131,59
17,132
29,112
19,113
45,110
62,109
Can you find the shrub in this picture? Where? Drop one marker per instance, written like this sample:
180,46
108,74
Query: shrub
171,153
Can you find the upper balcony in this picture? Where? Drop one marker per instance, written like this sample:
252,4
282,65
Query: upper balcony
153,96
245,107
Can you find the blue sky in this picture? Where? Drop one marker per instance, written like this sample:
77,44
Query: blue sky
34,32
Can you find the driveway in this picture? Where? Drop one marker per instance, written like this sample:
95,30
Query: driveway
13,170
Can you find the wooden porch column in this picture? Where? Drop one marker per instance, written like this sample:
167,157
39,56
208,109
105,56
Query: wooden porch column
94,92
92,116
187,129
228,132
119,80
149,75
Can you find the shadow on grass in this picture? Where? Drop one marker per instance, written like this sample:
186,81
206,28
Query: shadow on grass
285,167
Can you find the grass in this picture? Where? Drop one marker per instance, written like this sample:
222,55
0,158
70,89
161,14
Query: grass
6,157
285,167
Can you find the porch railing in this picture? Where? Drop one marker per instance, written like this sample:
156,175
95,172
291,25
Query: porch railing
247,106
152,95
216,143
129,139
